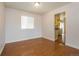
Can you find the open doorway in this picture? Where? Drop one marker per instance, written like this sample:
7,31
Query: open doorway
60,28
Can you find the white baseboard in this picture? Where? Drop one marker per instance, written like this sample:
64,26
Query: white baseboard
1,49
73,46
48,38
23,39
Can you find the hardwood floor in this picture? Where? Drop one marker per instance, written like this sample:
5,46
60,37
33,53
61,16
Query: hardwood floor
38,47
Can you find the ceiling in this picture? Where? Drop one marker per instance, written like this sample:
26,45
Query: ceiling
29,6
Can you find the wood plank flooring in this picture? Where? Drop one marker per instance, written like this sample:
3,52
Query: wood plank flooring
38,47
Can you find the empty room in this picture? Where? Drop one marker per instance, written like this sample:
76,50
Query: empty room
39,28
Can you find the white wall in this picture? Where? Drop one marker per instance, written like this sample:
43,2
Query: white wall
14,32
13,26
72,24
2,27
48,26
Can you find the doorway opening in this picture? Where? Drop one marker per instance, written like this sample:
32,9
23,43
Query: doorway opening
60,32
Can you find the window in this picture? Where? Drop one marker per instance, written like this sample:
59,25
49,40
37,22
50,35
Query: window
27,22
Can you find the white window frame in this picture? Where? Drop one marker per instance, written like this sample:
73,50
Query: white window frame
27,22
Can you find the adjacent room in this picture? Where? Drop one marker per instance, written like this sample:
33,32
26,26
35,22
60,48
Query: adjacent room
39,28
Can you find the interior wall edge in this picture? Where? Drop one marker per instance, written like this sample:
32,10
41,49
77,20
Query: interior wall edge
49,38
23,39
2,49
2,26
73,46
